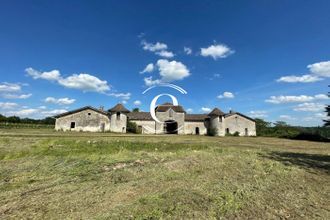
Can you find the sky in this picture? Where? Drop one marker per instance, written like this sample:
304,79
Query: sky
265,59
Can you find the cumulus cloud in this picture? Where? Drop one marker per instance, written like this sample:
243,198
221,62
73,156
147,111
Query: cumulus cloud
53,75
82,81
60,101
53,112
158,48
226,95
189,110
12,91
148,69
318,71
137,102
169,71
302,79
310,107
8,105
205,109
16,96
124,96
216,51
258,114
85,82
187,50
300,98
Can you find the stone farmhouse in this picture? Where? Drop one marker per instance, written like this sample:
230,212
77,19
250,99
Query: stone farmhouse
174,119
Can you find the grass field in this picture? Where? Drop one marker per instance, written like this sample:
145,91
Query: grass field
47,174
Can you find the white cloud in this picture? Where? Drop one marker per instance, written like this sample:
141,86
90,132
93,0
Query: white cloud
226,95
321,115
165,53
189,110
310,107
10,87
24,112
187,50
8,105
302,79
320,69
205,109
60,101
85,82
150,82
258,114
53,112
12,91
53,75
216,51
16,96
124,102
124,96
82,81
137,102
172,70
169,71
149,68
158,48
154,47
301,98
287,118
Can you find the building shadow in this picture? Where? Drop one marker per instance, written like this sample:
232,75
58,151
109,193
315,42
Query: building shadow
307,161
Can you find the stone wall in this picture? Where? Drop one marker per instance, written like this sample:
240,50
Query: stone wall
86,120
190,127
148,127
164,116
118,122
237,123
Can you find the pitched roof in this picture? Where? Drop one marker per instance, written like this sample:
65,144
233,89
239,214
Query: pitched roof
237,113
119,108
166,106
81,109
216,112
195,117
139,116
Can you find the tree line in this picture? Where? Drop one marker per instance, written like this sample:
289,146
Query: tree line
18,120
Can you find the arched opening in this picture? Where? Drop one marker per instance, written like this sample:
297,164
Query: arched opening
171,127
197,130
227,130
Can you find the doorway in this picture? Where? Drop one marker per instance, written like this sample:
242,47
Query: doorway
197,130
102,127
171,127
73,125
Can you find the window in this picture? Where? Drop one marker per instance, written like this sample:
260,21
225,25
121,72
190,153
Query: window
227,130
246,132
118,115
197,130
73,125
89,113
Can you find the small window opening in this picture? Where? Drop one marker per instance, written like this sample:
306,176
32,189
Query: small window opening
73,125
89,113
118,115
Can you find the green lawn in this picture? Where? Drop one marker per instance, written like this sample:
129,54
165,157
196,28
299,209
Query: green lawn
54,175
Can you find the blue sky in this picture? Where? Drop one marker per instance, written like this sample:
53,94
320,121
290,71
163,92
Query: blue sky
268,59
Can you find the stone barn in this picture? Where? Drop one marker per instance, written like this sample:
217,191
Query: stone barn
174,120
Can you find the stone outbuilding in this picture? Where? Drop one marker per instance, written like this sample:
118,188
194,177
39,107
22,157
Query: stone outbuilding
174,120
